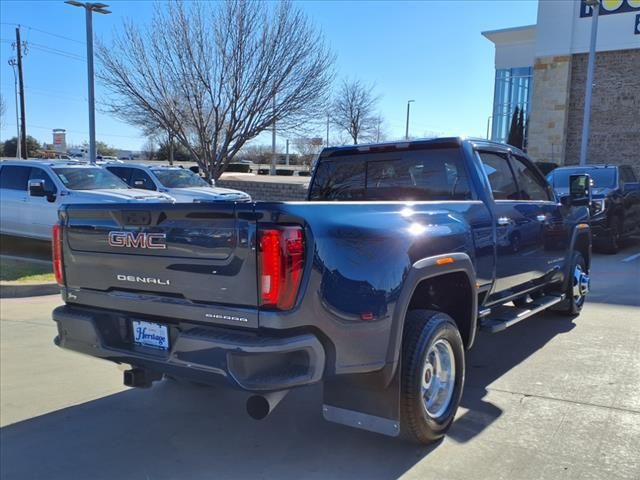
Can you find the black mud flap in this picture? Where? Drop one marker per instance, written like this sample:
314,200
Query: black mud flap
363,401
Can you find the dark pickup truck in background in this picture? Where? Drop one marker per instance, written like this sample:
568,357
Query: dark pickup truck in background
615,203
375,287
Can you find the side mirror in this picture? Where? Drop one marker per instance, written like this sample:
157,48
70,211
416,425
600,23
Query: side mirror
580,190
36,188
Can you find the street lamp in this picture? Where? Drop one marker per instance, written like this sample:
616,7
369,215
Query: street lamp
584,141
406,132
89,9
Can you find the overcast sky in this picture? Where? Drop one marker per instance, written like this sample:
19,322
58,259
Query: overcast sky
429,51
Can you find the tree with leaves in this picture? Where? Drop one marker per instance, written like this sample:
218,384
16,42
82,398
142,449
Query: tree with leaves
216,75
354,110
11,145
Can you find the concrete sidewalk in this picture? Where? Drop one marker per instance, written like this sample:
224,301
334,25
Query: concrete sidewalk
550,398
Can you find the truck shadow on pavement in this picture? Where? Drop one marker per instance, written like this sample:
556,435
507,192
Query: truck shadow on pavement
491,357
183,431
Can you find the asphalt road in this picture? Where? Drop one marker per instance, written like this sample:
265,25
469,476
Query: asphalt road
550,398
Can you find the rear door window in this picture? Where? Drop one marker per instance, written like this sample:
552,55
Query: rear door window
501,179
14,177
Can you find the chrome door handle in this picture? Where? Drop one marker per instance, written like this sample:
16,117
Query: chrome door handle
504,221
541,218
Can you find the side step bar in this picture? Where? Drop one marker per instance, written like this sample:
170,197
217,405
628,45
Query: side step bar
504,316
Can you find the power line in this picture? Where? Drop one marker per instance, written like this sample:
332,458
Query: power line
56,50
44,31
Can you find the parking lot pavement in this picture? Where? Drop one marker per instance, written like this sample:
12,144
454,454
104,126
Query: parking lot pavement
549,398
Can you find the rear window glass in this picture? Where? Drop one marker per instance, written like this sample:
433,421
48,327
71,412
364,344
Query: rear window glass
437,174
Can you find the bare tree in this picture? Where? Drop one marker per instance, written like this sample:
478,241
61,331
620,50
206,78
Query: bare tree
218,74
354,110
148,150
308,148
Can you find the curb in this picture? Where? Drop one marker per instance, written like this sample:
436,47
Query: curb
10,290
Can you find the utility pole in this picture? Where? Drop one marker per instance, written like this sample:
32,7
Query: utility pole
406,134
23,116
89,9
584,141
13,64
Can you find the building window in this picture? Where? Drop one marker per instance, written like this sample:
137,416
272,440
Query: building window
512,90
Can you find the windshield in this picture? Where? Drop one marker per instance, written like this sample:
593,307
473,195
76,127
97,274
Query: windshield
600,177
179,178
88,179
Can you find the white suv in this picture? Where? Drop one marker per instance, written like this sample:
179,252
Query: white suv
32,191
181,183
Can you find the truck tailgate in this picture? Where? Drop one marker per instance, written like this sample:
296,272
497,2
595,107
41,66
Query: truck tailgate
202,254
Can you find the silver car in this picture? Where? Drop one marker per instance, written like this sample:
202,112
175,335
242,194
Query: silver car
181,183
32,191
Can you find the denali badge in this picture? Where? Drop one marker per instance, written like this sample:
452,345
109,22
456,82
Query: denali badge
136,279
137,240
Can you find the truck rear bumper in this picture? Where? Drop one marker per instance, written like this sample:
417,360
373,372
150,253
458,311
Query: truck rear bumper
252,361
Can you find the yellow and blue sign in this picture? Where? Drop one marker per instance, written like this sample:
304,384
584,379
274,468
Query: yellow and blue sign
609,7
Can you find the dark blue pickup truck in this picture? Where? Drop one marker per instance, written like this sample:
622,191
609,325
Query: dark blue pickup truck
375,286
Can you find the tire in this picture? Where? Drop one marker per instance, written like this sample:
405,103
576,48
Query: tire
435,334
611,243
575,295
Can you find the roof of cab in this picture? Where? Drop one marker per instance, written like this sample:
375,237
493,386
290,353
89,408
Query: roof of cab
586,167
49,163
416,144
143,165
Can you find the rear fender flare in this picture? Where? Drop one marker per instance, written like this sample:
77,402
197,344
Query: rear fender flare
424,269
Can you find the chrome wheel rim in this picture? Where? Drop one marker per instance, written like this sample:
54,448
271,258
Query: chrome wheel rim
438,378
581,283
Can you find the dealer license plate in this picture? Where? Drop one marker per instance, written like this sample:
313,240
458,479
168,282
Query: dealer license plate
150,334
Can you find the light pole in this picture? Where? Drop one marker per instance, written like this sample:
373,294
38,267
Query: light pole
584,141
89,9
13,64
488,123
406,131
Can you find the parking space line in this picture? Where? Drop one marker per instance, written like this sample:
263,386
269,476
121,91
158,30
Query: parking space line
631,258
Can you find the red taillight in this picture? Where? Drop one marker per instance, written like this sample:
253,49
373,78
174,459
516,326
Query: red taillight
281,261
56,254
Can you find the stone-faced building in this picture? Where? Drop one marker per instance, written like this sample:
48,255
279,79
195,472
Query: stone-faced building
541,69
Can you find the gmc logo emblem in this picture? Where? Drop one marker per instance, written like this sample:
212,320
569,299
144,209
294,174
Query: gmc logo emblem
137,240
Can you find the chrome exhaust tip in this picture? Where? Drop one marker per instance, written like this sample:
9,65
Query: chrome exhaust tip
260,406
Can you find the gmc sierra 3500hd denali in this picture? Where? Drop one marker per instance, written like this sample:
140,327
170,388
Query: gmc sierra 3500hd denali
374,287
